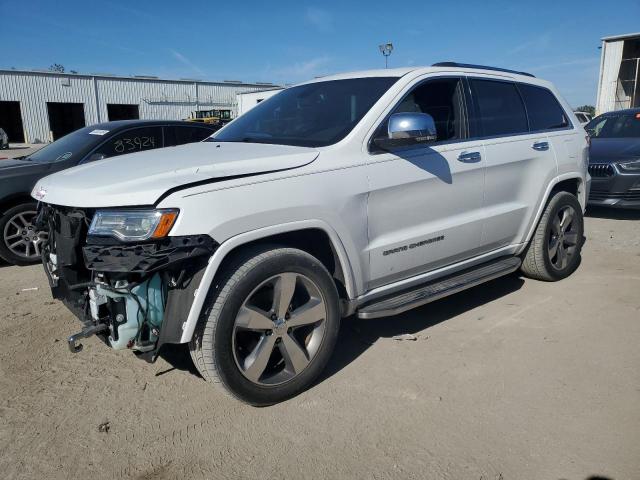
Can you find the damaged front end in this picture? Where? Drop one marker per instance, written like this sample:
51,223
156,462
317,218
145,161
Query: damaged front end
132,294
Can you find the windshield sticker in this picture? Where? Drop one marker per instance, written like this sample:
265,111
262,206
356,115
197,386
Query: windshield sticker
98,132
64,156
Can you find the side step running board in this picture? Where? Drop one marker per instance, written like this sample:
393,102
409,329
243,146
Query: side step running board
439,288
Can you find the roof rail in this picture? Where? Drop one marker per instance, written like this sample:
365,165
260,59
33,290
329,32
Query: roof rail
480,67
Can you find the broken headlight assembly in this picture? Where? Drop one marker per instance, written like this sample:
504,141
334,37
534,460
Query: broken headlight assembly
133,225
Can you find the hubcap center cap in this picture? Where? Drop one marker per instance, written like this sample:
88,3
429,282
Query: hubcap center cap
280,326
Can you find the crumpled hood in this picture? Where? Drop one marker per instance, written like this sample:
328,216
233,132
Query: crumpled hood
607,150
141,178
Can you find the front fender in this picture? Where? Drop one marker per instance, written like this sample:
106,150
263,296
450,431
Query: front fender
188,327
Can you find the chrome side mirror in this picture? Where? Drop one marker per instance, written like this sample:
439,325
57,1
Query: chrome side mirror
419,127
409,128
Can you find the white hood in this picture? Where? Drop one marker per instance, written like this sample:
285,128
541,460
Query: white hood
141,178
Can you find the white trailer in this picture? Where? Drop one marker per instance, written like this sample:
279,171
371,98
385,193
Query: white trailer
247,100
619,82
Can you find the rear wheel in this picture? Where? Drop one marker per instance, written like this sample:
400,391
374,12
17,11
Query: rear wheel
271,328
554,251
20,241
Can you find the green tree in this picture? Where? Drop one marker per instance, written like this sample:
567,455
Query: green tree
586,108
56,67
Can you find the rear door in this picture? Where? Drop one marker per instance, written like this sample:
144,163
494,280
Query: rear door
519,162
547,115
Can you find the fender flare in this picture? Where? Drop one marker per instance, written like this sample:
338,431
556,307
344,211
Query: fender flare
188,327
545,199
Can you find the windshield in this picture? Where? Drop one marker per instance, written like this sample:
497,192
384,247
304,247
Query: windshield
312,115
615,126
76,144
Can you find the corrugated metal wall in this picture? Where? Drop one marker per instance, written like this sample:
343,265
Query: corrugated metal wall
157,99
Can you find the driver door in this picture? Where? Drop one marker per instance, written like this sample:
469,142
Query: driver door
425,201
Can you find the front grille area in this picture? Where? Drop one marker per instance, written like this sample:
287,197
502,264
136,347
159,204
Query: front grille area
633,195
601,170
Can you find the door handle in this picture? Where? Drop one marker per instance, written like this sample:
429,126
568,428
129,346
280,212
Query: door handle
540,146
469,157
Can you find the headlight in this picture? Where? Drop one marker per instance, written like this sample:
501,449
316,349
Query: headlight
632,166
133,225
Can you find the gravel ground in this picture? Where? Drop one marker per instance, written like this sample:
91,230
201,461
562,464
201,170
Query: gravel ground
515,379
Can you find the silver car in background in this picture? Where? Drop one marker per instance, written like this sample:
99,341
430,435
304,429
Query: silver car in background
4,139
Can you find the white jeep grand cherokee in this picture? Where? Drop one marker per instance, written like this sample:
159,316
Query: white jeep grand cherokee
366,193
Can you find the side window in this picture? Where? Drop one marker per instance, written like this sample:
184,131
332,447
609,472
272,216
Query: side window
190,134
443,99
134,140
581,118
545,113
500,108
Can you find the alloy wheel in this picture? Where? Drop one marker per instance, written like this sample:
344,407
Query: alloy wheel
22,238
279,329
563,239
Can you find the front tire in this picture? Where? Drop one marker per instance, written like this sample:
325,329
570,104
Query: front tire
554,251
20,241
270,326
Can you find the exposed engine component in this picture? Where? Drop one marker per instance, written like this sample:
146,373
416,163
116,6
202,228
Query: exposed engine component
134,313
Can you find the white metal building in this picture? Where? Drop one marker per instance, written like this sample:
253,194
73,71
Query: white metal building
248,100
39,106
619,83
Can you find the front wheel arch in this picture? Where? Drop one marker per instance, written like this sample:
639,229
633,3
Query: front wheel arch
237,244
213,346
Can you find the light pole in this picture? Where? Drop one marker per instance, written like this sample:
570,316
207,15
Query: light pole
386,50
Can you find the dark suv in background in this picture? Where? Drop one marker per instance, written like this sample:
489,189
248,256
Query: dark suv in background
20,242
614,159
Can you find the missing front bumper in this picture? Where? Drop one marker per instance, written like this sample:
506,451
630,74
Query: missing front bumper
133,296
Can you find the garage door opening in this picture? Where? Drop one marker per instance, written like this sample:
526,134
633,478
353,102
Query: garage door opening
11,121
122,112
65,118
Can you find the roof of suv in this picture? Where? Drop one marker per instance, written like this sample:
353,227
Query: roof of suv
400,72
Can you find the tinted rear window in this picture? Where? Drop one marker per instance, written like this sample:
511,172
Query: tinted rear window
545,113
500,108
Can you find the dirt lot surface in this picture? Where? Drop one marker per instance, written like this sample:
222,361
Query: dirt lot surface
515,379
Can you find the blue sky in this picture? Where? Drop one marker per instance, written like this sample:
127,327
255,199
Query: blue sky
293,41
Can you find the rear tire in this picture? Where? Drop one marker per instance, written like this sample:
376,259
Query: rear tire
270,326
554,251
